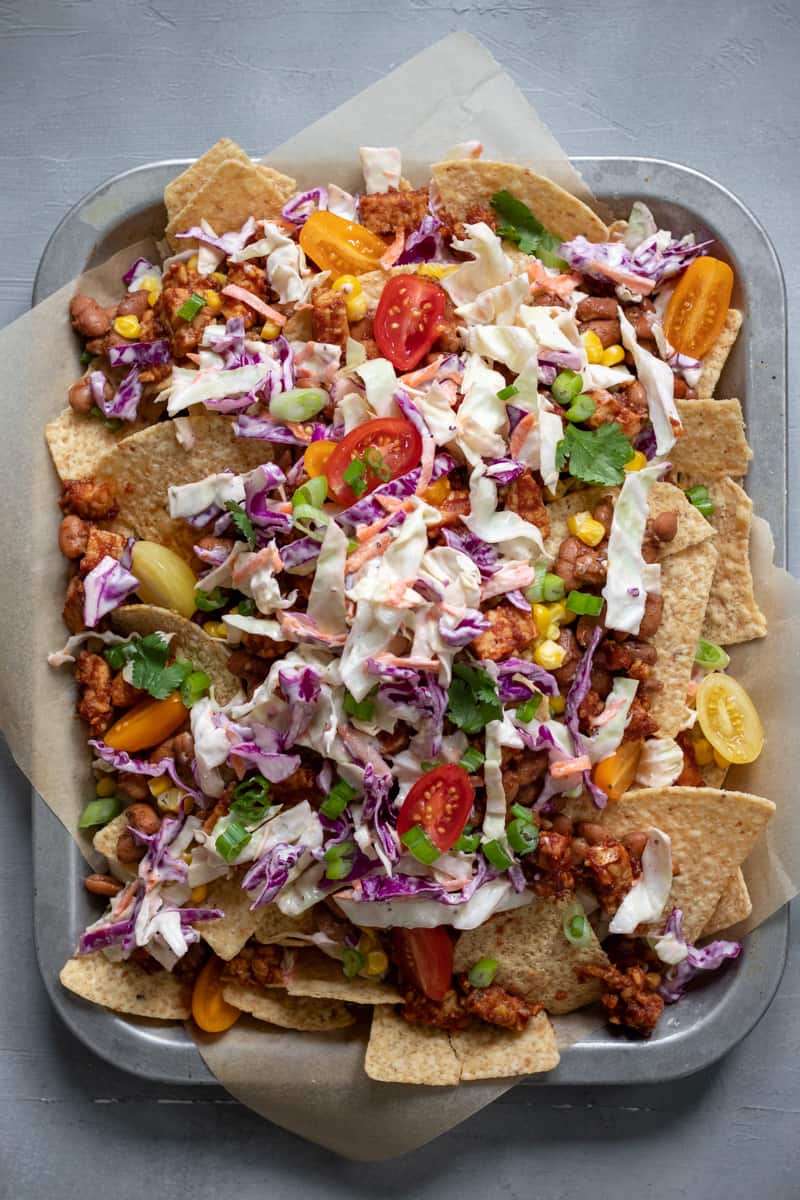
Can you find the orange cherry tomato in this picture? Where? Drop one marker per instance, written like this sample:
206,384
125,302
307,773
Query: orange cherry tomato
392,444
316,457
147,724
209,1008
615,775
425,958
698,307
408,319
344,247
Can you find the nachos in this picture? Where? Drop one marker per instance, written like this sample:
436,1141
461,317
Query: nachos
405,538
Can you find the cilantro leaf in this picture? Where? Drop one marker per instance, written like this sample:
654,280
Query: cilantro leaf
473,699
521,226
595,455
242,522
148,665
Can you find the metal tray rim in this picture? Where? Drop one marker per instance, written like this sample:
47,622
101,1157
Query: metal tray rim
611,1061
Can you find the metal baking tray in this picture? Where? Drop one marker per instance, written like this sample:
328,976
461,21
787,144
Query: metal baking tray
708,1022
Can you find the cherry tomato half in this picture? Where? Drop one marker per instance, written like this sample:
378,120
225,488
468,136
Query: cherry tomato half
728,718
392,445
425,958
698,307
408,319
209,1008
342,246
147,724
615,775
440,803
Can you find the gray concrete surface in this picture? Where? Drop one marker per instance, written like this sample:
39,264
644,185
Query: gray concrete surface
88,89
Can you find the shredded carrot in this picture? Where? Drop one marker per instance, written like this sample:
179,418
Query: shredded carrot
520,434
415,664
422,374
364,553
268,557
559,285
391,255
634,283
570,766
254,302
608,713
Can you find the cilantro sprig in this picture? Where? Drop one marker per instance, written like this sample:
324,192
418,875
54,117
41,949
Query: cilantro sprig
472,699
147,659
242,522
521,227
595,455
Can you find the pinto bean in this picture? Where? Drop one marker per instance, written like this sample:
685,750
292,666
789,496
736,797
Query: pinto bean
180,747
609,332
73,534
128,849
133,786
136,304
635,843
665,526
88,317
651,619
597,308
143,817
604,513
563,824
102,885
80,397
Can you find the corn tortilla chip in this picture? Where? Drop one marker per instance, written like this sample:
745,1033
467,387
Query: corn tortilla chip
685,587
734,906
534,958
126,988
713,774
227,935
399,1052
142,467
712,833
77,444
732,614
717,356
290,1012
312,973
179,192
105,843
714,443
486,1052
466,183
188,641
275,928
235,191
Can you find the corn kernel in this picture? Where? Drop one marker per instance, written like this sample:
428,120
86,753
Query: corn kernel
613,355
552,632
105,786
541,617
356,308
149,283
348,284
557,704
720,760
219,277
169,801
435,271
438,492
199,893
152,297
159,785
583,525
637,462
192,263
216,629
128,326
549,655
377,963
213,299
703,752
269,331
560,614
593,347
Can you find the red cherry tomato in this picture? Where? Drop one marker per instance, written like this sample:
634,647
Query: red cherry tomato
408,319
440,802
425,958
385,448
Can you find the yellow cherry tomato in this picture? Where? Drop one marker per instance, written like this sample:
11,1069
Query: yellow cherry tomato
316,456
147,724
728,718
614,775
210,1010
164,578
335,244
698,307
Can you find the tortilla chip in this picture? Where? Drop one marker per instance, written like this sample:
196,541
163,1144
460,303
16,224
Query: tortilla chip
713,774
179,192
717,356
142,467
315,974
126,987
235,191
734,906
664,497
227,935
466,183
77,444
486,1052
190,641
534,958
714,443
685,586
275,928
712,833
399,1052
290,1012
732,614
105,843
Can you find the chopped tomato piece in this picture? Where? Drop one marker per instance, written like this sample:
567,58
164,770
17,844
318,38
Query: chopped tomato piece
698,307
425,959
408,319
440,803
372,454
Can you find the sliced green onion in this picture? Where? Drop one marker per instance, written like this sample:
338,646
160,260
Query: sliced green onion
468,842
523,836
581,409
362,710
191,307
246,607
314,492
304,514
374,461
507,393
483,973
339,860
352,962
232,841
252,792
112,423
699,497
566,386
526,711
471,760
534,592
337,799
522,813
546,587
298,404
711,656
194,686
417,842
585,604
353,476
100,812
497,855
577,929
209,601
86,358
428,764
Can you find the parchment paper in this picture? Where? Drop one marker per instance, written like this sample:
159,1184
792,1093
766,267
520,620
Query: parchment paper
315,1084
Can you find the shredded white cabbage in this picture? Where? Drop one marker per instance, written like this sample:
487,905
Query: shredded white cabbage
381,166
489,267
629,577
658,382
646,900
496,896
